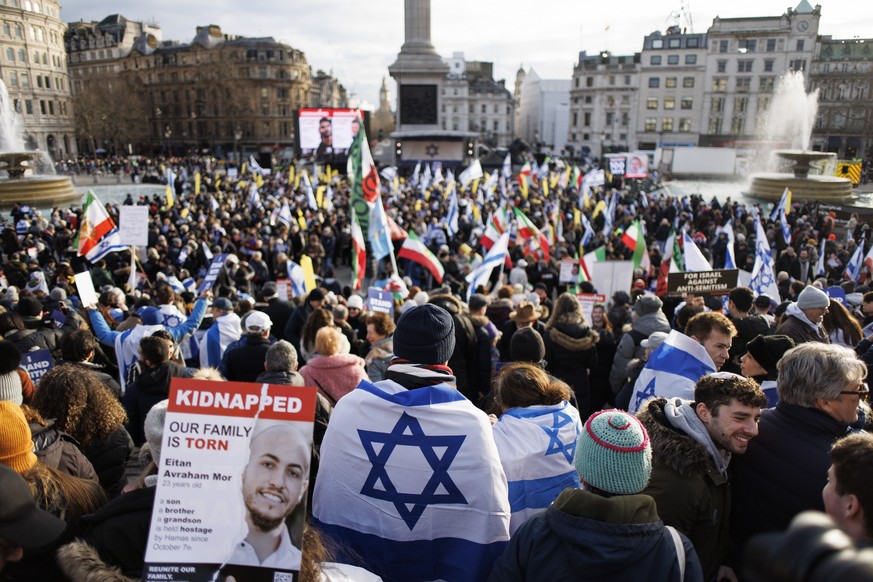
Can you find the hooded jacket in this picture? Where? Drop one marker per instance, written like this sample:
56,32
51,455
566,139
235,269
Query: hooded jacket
150,387
583,536
60,451
692,494
629,346
336,375
799,328
570,353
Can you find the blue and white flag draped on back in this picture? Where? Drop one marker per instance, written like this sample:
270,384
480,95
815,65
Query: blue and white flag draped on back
672,371
224,331
411,482
536,446
297,278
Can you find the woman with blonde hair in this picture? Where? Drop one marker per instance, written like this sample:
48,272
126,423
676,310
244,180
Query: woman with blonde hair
333,372
84,408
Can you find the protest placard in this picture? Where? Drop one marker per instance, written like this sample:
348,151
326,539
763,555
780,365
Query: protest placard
134,225
37,363
715,282
85,287
380,300
569,271
232,482
587,302
837,293
212,273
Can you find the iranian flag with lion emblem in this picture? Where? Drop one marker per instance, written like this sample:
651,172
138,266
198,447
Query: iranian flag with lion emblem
364,179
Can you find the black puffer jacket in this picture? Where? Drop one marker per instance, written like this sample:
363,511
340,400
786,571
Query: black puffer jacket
464,360
570,353
60,451
109,457
150,387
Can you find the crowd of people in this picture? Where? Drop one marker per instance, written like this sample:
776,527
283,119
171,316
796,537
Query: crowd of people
564,453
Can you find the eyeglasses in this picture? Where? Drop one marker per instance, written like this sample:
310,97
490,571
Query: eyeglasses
862,392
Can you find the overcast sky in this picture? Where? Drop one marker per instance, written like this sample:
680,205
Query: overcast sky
358,40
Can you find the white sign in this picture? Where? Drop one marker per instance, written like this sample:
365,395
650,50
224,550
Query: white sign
134,227
611,276
85,287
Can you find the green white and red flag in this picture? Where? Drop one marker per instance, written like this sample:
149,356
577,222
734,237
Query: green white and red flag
98,236
588,260
528,230
414,250
363,177
359,253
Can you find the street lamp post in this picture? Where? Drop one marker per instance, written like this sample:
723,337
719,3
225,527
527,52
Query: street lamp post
168,133
237,135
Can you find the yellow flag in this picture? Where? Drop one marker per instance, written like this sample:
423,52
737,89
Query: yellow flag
601,206
788,203
217,183
476,212
523,183
319,196
291,174
545,184
328,173
554,180
577,216
184,213
475,186
427,194
259,180
308,273
301,220
196,183
397,185
585,200
242,171
417,205
296,181
170,199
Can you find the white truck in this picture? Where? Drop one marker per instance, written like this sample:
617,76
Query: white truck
695,162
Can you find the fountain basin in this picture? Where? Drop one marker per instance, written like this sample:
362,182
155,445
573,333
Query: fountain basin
39,191
803,186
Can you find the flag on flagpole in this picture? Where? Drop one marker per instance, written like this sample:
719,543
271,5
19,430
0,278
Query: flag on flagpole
472,172
415,174
666,263
359,253
868,261
207,253
213,203
694,259
672,371
786,229
609,215
297,278
98,236
523,175
783,206
820,265
414,250
536,446
588,259
763,281
528,230
310,195
308,273
853,269
196,182
285,214
363,177
730,259
397,233
171,187
453,213
495,257
403,470
506,169
380,239
589,232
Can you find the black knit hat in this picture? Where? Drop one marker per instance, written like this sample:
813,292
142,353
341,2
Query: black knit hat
768,350
29,307
425,335
526,345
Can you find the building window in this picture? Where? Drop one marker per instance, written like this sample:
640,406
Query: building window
10,54
800,45
651,103
28,106
768,65
575,118
686,103
25,80
722,46
690,59
688,82
744,66
747,45
589,81
717,104
763,104
19,31
771,45
627,79
719,84
588,99
667,124
657,44
692,42
7,30
42,107
738,124
685,125
586,118
767,84
797,65
744,84
670,82
674,43
673,60
625,119
13,79
651,124
741,104
654,82
610,116
576,81
669,103
39,81
714,127
612,80
721,66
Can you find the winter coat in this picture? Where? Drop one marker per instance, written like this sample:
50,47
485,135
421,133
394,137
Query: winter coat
570,353
279,312
583,536
463,361
747,329
119,530
336,375
109,457
294,328
498,312
60,451
784,469
149,388
244,362
379,358
81,563
800,331
629,347
98,371
691,494
485,350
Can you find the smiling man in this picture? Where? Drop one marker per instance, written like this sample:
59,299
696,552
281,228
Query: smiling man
273,483
692,444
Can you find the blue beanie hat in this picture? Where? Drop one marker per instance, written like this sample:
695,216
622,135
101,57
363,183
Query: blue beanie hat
425,335
614,454
150,315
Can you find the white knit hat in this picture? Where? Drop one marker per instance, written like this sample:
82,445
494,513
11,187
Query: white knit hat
10,388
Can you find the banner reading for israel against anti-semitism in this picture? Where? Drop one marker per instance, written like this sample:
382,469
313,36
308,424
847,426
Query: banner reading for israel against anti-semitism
233,474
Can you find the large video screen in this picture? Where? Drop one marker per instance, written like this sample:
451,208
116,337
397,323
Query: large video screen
327,133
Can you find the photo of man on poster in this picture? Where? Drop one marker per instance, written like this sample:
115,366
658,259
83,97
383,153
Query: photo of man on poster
325,130
274,482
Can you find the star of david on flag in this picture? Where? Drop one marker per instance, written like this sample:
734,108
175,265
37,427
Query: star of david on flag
763,281
408,433
556,446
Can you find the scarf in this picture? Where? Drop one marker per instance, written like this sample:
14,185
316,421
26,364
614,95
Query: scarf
411,375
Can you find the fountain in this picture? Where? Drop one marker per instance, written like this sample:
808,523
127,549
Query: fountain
43,191
790,119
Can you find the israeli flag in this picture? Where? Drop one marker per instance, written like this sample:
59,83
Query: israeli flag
284,215
536,446
730,261
411,482
298,280
786,229
224,331
452,214
763,281
853,269
506,169
378,232
672,371
609,216
496,256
